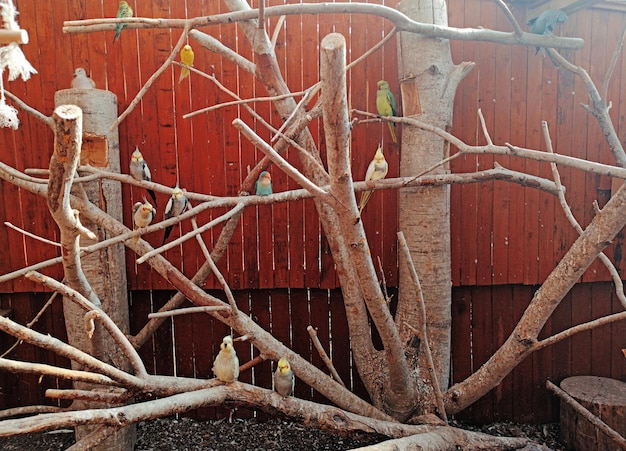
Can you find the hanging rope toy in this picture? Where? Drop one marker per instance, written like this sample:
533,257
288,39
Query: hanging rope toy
11,58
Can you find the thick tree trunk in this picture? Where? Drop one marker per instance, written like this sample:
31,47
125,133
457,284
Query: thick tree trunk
105,271
428,82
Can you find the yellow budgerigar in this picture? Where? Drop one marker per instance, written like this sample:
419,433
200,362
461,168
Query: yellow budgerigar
186,57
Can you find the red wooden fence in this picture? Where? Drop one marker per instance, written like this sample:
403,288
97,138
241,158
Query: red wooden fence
505,239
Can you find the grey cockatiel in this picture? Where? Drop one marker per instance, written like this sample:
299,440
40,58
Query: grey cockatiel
175,206
284,379
140,171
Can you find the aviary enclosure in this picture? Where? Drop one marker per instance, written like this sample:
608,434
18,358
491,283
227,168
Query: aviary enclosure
507,228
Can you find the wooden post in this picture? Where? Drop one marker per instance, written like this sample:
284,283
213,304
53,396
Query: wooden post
105,270
606,399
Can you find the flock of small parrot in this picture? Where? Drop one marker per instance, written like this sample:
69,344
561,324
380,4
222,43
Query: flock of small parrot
226,369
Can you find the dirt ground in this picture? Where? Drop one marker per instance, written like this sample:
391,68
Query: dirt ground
185,434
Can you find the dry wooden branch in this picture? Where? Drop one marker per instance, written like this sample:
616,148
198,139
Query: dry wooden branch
322,353
611,68
28,410
233,211
16,366
617,280
32,111
188,311
116,396
549,341
402,23
597,422
599,109
116,334
216,272
67,351
8,36
509,150
131,106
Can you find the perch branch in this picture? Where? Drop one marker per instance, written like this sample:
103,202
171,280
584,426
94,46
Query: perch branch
579,328
617,280
280,162
233,211
611,68
597,422
250,363
65,350
84,303
507,149
422,333
31,235
401,22
115,397
600,110
216,272
517,30
210,43
188,311
30,110
322,353
15,366
152,79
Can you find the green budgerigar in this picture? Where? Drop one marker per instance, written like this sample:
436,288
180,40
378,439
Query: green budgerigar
123,11
386,105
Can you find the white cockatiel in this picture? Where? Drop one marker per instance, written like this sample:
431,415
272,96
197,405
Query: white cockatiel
284,379
226,364
377,170
143,214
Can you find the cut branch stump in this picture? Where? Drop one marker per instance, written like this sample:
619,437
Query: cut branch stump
606,399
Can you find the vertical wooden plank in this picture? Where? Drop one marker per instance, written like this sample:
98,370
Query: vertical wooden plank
502,311
501,134
485,201
523,373
581,312
163,339
469,163
462,339
519,100
340,351
245,301
561,351
601,345
533,140
483,347
320,318
543,401
138,310
301,343
618,343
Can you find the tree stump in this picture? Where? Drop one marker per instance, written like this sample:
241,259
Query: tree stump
606,399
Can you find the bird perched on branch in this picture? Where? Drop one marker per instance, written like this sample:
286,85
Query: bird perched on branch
386,105
284,379
186,57
226,364
377,170
263,185
80,80
546,22
123,11
175,206
143,214
140,171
